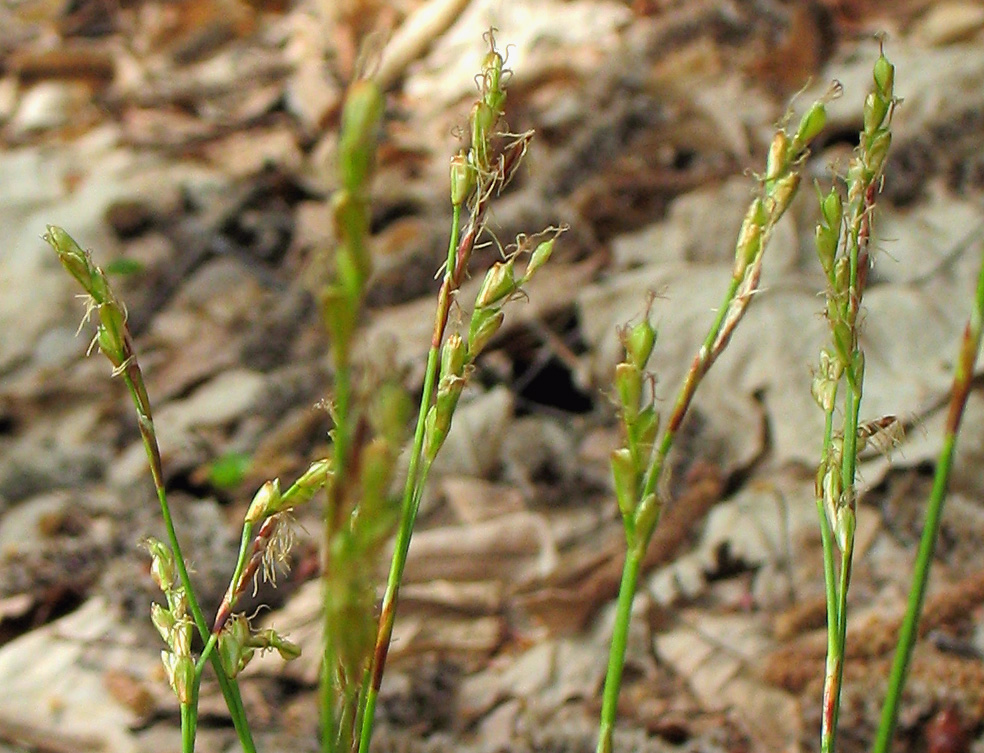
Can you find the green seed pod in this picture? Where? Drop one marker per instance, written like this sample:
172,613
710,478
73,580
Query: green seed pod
843,341
826,243
180,671
646,517
824,390
639,342
625,477
500,282
493,94
265,502
492,65
857,366
875,110
315,476
181,635
233,645
782,195
541,254
628,388
642,434
496,100
454,355
434,434
163,620
361,116
884,76
811,124
112,338
462,179
71,255
845,522
162,567
877,152
842,275
749,241
483,119
485,322
832,209
271,639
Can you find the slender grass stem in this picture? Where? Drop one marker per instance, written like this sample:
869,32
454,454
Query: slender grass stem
408,515
206,654
188,727
969,351
620,638
230,691
698,368
829,578
638,467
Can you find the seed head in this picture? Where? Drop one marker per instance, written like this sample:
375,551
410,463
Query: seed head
541,254
485,322
875,110
180,671
628,388
454,356
810,125
499,283
625,477
162,567
749,242
265,502
462,179
778,158
884,76
639,342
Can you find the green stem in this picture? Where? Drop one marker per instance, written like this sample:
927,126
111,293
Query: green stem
970,348
829,577
230,690
411,494
387,615
329,723
206,655
701,363
188,725
620,639
910,625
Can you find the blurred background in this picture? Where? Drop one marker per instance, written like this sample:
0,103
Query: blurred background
190,144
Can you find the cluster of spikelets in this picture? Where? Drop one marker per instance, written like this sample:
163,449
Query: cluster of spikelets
842,238
638,465
369,429
842,248
360,512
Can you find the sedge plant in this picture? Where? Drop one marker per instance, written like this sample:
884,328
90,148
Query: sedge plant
230,641
970,348
477,174
360,512
369,414
639,465
842,239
